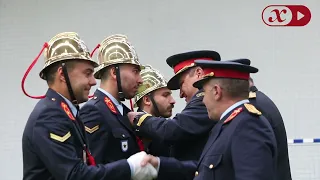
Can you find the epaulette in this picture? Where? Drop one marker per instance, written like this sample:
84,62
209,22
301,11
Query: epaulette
94,100
200,94
252,109
233,114
252,95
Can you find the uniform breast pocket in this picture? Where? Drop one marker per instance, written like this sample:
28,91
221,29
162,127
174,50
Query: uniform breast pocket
210,167
122,137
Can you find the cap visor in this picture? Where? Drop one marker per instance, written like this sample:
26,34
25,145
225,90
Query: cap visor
173,83
199,84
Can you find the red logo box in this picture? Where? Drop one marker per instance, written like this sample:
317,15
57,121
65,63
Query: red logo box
286,15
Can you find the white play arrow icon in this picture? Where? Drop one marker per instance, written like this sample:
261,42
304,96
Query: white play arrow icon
300,15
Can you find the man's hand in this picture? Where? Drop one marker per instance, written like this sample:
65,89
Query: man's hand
132,115
154,161
147,172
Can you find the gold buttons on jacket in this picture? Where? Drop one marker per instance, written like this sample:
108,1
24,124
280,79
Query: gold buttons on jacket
196,174
211,166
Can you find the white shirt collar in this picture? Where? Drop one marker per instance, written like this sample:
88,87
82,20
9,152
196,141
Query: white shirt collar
71,105
233,107
114,100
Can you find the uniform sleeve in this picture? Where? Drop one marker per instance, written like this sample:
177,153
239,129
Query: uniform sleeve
55,144
191,121
96,131
157,148
171,168
253,150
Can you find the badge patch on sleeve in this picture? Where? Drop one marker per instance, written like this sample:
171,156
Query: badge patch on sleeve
124,145
91,130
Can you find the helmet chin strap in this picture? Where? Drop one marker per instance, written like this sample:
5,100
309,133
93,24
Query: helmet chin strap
72,96
82,137
120,92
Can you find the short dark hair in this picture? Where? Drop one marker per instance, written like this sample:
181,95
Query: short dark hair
235,88
105,73
50,71
140,102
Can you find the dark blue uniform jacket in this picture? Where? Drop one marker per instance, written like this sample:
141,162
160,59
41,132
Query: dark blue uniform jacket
242,146
51,149
110,133
156,147
188,131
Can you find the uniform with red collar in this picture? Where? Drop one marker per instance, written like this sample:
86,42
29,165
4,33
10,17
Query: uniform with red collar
53,143
187,131
153,81
108,128
242,145
51,148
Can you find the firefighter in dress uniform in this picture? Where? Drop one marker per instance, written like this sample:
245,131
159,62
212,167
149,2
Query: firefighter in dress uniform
242,144
187,131
108,128
54,143
155,98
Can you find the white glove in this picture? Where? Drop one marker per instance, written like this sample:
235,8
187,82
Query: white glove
141,173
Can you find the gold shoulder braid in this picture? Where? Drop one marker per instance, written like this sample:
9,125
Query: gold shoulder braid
200,94
252,95
252,109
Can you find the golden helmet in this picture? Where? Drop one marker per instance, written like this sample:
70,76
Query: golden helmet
65,46
152,80
116,49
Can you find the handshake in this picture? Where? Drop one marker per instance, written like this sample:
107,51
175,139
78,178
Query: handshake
143,166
